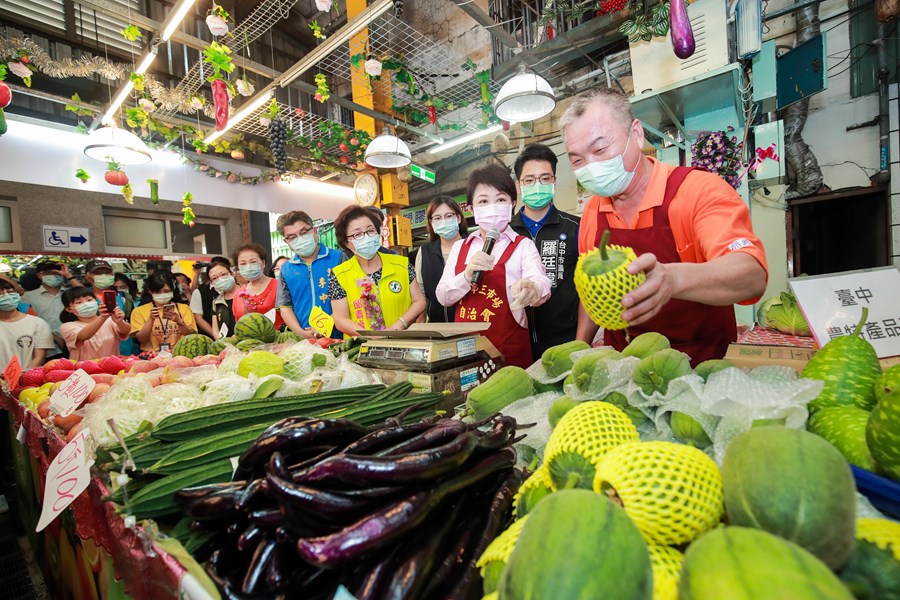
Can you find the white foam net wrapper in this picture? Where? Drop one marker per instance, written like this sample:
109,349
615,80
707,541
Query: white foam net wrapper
526,411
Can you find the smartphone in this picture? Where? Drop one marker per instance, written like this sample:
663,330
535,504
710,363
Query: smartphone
109,300
169,308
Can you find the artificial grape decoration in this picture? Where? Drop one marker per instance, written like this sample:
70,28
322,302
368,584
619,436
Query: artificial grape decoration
277,141
611,6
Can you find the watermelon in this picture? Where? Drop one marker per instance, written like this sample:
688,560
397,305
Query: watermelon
737,563
654,373
287,336
261,363
688,430
646,344
248,344
578,544
849,367
845,428
708,367
872,573
887,382
254,326
216,347
795,485
883,434
192,346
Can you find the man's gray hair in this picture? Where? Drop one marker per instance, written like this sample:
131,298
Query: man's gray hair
612,98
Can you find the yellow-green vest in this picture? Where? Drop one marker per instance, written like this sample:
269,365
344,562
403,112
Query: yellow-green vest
393,289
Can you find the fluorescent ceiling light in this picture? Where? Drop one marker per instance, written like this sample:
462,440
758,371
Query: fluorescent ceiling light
146,61
117,102
175,18
245,111
464,139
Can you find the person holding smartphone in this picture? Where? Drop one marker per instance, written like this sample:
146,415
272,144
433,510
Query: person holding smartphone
159,324
91,329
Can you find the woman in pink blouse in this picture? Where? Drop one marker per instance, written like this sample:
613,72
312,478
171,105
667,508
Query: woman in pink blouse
260,293
512,275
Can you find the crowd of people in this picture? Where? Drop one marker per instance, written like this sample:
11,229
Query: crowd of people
514,270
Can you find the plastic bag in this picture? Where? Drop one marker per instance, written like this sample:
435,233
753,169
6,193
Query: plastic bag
612,375
530,410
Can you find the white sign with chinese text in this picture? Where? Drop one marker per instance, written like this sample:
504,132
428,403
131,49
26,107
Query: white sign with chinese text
832,305
72,393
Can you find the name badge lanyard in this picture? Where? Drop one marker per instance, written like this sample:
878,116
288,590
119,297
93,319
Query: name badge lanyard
165,328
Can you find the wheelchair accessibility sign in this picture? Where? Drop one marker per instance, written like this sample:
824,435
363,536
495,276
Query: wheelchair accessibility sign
65,238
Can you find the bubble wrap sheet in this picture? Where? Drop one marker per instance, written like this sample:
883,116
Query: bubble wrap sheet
529,410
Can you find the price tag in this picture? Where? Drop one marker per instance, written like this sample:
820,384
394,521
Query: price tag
234,463
69,475
321,321
223,330
12,373
832,305
271,315
72,393
21,434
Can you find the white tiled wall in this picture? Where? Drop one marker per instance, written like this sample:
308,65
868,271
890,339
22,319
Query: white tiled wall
895,170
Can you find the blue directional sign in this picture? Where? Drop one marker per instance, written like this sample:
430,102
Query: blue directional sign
64,238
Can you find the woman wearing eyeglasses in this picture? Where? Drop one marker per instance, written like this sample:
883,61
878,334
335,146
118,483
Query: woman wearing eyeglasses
512,276
221,280
446,224
371,290
260,292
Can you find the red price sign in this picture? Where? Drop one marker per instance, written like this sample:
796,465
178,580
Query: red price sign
68,475
12,373
69,396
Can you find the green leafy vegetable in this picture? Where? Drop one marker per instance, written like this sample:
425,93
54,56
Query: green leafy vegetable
783,314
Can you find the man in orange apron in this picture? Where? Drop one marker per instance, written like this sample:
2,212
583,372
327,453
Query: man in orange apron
691,231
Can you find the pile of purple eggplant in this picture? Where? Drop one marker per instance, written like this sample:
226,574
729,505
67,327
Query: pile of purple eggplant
393,511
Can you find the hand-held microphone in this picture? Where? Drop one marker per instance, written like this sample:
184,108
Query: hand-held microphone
490,239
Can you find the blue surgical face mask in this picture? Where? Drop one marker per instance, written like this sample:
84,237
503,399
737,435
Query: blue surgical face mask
87,309
9,301
251,272
606,178
306,244
447,229
539,195
368,246
224,284
53,281
104,281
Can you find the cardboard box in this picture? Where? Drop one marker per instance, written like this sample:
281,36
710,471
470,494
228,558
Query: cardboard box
749,357
458,381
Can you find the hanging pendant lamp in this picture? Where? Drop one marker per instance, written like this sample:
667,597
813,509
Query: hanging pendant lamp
525,97
112,144
387,151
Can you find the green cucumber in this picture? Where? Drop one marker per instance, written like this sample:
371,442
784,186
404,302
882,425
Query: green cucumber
206,450
157,499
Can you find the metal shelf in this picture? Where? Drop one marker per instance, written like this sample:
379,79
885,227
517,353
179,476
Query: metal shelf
669,107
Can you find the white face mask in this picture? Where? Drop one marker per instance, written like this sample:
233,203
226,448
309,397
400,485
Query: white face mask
493,216
606,178
163,298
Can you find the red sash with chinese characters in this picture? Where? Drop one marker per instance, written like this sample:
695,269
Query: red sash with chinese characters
488,302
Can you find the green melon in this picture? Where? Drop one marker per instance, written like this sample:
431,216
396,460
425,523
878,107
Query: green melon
849,367
795,485
872,573
845,428
541,388
560,407
887,382
708,367
736,563
688,430
654,373
590,371
883,434
578,545
254,326
636,415
646,344
192,346
558,359
261,363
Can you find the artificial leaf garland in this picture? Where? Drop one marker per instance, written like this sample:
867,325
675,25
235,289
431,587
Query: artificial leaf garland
322,92
82,175
188,212
131,33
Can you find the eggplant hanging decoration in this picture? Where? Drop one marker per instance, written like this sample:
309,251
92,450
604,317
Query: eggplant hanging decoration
680,30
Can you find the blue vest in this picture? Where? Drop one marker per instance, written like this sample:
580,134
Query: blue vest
308,284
